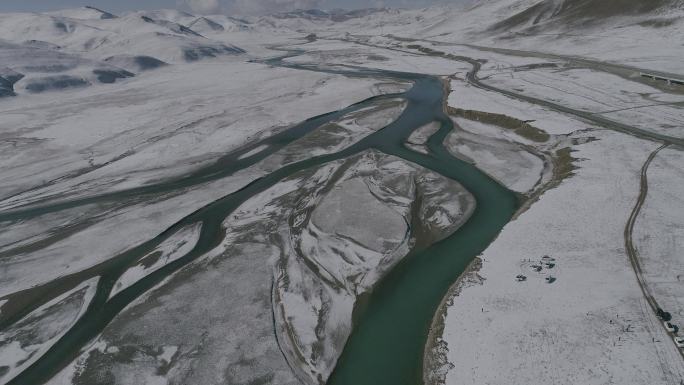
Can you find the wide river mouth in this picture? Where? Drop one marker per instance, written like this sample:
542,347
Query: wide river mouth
390,332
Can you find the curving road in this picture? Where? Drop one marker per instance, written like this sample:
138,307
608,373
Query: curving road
632,251
473,79
607,123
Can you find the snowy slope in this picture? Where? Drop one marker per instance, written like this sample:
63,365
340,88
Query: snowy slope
565,13
133,34
79,47
34,69
84,13
622,31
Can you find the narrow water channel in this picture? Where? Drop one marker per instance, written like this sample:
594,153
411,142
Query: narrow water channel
389,337
387,343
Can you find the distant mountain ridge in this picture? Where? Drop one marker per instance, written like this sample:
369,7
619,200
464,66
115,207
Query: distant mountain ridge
87,45
84,13
72,48
573,12
335,15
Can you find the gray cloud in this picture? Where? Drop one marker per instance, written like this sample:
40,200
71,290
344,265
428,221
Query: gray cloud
271,6
248,7
204,6
209,6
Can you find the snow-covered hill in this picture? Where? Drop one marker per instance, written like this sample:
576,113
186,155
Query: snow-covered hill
90,39
78,47
624,31
135,33
84,13
35,68
560,14
494,17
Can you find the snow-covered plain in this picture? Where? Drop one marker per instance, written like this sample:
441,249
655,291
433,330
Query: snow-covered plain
173,248
530,332
658,231
24,342
94,103
599,93
615,32
338,52
508,161
108,138
592,325
271,242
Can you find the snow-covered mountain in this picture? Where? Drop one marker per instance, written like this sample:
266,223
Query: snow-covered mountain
75,47
78,47
35,68
135,33
578,13
625,31
494,17
84,13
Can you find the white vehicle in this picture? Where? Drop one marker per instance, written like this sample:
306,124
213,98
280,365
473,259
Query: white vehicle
679,341
670,327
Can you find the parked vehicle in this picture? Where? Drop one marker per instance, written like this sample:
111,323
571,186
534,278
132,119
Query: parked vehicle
520,278
663,315
672,328
679,341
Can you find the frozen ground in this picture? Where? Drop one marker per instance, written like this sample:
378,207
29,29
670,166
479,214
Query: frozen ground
338,135
337,52
94,103
467,97
599,93
615,32
592,324
659,231
417,141
25,341
106,139
517,164
263,270
173,248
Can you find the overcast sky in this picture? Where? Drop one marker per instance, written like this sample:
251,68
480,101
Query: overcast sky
210,6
